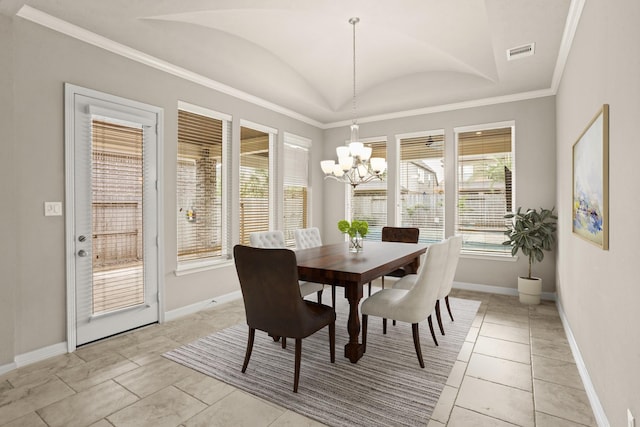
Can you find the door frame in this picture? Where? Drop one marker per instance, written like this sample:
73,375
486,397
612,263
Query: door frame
70,91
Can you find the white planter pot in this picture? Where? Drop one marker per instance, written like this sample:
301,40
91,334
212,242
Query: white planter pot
529,290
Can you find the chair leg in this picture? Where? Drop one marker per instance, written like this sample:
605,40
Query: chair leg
394,323
416,343
439,317
320,297
384,326
296,375
247,356
433,335
284,342
332,341
446,300
333,296
365,319
382,282
369,288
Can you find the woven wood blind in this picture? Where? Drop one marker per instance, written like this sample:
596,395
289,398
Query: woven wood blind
116,180
199,186
254,183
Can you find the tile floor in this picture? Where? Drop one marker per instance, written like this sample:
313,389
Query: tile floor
515,369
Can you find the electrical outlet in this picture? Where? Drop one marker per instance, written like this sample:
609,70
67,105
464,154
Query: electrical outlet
631,421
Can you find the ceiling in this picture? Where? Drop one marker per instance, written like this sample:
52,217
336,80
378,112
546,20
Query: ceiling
298,57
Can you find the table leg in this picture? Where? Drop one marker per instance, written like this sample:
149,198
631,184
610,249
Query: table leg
353,350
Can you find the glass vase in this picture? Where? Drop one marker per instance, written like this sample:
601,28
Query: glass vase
356,243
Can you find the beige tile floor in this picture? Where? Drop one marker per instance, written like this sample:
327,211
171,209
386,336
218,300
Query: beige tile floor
515,369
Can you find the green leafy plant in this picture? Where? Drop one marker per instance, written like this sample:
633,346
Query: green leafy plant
532,232
354,228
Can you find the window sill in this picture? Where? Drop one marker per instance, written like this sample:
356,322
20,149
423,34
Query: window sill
199,266
489,257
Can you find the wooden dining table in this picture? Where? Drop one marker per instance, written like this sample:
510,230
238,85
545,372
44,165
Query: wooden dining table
335,265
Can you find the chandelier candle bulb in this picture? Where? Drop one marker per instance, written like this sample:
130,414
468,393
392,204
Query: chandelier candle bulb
327,166
342,151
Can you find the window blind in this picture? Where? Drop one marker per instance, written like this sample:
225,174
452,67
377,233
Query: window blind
422,187
296,183
484,188
254,182
117,210
199,187
369,201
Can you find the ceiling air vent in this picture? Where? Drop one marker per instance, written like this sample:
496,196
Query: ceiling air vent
521,51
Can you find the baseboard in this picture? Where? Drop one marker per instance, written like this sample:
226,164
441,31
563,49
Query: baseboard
40,354
201,305
596,406
549,296
7,368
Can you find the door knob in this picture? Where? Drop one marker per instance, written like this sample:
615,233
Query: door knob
82,253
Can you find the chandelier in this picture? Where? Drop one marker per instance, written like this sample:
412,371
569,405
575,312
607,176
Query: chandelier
355,165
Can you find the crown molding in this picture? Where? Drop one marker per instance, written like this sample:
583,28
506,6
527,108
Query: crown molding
573,18
449,107
38,17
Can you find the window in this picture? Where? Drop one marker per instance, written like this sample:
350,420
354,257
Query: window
296,183
421,183
203,138
484,186
255,201
369,201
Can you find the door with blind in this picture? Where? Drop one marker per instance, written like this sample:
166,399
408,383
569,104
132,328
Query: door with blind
112,238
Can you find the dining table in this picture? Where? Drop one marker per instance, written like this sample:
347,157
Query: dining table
334,264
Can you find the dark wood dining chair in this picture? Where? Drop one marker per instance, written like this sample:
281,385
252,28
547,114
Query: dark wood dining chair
273,303
275,239
403,235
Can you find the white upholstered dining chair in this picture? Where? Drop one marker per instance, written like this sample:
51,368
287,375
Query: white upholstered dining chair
455,246
310,238
307,237
275,239
411,305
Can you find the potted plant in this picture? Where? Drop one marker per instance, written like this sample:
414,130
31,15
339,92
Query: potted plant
531,232
356,231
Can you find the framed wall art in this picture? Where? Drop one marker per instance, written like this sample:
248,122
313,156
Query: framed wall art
590,213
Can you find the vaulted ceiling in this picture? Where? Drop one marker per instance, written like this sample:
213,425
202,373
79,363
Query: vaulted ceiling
410,54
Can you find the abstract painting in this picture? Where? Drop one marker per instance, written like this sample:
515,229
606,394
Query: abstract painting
591,181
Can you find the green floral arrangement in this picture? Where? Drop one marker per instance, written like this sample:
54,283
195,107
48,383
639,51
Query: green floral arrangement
354,228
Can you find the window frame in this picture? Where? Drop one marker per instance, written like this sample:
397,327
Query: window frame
350,190
398,197
306,144
272,175
197,265
476,128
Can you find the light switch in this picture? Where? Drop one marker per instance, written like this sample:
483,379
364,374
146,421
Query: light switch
52,208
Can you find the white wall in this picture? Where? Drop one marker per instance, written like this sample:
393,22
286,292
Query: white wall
32,168
535,175
9,215
600,290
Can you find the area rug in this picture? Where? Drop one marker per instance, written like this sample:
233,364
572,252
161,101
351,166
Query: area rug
386,387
